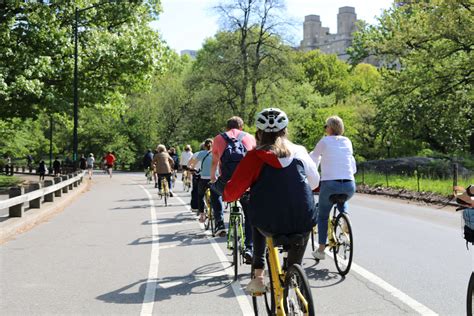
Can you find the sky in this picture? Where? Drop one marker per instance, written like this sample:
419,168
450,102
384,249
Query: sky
185,24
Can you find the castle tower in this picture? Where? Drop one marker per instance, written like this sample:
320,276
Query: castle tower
346,20
311,30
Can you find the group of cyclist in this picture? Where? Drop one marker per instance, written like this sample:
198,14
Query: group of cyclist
272,178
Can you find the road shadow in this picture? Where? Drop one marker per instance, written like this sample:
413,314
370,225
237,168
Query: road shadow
186,237
329,278
203,280
178,218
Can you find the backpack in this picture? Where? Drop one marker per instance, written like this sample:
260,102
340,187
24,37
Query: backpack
233,153
468,218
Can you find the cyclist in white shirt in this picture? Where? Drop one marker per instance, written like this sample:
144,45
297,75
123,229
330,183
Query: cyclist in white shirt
338,167
185,157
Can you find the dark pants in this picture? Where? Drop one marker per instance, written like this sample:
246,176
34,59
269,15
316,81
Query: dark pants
168,178
244,201
194,193
295,253
216,201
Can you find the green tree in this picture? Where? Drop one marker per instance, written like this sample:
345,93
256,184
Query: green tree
426,94
118,53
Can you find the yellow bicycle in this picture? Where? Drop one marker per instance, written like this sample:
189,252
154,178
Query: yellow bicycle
209,223
164,191
187,179
290,293
340,237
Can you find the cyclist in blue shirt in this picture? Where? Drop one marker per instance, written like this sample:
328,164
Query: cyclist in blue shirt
205,157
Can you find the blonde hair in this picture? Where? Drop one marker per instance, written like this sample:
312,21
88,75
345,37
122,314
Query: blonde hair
161,148
276,142
336,124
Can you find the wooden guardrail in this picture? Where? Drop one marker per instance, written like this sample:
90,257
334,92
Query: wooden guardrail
49,190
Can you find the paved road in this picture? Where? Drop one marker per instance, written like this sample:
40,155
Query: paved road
118,250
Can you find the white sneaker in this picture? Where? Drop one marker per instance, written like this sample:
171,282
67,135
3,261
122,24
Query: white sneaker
256,287
320,255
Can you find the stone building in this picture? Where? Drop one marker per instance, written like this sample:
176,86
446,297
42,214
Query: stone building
315,36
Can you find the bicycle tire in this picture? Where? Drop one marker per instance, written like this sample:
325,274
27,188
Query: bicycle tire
344,242
469,298
313,237
235,250
296,279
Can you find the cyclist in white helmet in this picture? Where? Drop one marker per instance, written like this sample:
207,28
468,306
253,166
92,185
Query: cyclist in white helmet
281,177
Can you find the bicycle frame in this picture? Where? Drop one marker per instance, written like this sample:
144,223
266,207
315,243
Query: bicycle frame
278,279
236,215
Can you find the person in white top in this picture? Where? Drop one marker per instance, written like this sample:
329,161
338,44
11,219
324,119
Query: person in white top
90,164
185,157
338,167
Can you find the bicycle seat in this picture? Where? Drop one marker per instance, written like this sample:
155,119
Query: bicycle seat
288,240
338,198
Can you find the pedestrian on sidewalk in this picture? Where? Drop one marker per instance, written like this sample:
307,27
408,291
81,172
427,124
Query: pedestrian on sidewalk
90,164
56,167
82,162
41,170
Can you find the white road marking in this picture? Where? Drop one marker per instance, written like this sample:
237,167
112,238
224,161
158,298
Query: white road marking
167,285
411,302
169,246
236,288
150,291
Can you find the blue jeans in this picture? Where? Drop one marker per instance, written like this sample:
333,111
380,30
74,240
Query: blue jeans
329,188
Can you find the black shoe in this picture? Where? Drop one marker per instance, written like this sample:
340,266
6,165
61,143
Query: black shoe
248,255
220,229
156,185
171,194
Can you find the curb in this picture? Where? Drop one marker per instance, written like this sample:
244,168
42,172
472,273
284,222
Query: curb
12,227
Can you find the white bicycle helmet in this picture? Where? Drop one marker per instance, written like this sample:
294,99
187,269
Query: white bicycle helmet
271,120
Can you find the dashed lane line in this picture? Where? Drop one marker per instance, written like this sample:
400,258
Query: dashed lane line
236,287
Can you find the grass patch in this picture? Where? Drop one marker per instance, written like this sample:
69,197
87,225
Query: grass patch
9,181
440,186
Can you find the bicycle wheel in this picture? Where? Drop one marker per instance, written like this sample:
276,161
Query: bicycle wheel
470,297
344,248
235,248
314,231
298,299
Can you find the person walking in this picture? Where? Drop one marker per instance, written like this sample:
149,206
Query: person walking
109,162
83,162
41,170
56,167
90,164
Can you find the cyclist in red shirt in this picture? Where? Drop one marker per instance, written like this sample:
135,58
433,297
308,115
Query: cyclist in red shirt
109,162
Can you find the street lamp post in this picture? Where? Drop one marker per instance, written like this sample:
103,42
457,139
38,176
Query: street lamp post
76,80
389,144
75,84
